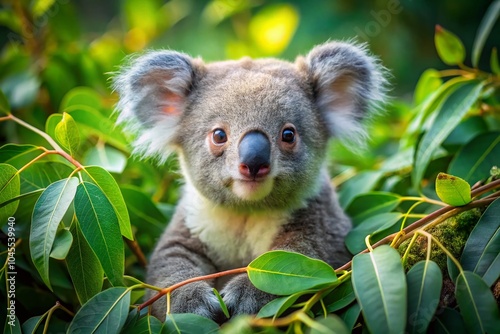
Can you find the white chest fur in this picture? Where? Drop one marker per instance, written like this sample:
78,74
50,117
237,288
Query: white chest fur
233,239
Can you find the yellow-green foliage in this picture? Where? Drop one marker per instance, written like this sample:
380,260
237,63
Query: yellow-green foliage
452,233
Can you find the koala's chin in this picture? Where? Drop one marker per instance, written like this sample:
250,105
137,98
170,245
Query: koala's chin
251,137
252,190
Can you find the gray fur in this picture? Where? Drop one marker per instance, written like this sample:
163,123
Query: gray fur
172,102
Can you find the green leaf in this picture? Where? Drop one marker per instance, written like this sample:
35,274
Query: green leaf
188,323
105,313
4,104
42,174
143,211
448,321
494,63
481,253
284,273
277,306
474,161
62,244
100,227
67,134
12,326
449,47
448,117
351,315
453,190
424,286
94,122
359,184
32,324
380,286
107,183
81,96
9,188
429,82
367,205
477,304
18,155
329,325
51,124
83,266
145,325
47,214
107,157
355,239
339,298
484,30
221,303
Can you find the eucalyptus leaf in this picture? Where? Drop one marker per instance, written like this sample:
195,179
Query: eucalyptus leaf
18,155
105,313
81,96
51,124
47,214
339,298
448,321
107,183
361,183
487,23
450,48
429,81
145,325
4,104
41,174
477,304
481,253
83,266
106,157
494,62
453,190
221,303
277,306
67,134
62,244
450,114
99,225
474,161
188,323
351,315
9,188
284,273
424,289
332,324
355,239
370,204
380,286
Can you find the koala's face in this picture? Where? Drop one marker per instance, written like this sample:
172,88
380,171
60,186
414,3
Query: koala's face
250,134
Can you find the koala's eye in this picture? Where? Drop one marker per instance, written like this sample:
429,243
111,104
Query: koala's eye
288,135
219,137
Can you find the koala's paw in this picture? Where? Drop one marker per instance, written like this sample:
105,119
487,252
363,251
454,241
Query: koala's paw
241,297
196,298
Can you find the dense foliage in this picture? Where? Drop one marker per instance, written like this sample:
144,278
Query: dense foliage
77,214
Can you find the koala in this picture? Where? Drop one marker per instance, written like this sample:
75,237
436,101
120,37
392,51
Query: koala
251,137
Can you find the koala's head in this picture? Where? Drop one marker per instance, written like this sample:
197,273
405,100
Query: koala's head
250,134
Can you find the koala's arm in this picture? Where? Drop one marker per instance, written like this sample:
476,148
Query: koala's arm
180,256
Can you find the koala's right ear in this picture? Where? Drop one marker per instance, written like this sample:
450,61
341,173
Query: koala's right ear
153,91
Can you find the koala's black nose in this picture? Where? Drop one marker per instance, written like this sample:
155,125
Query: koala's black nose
255,155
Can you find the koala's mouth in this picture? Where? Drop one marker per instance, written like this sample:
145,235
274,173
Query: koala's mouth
252,189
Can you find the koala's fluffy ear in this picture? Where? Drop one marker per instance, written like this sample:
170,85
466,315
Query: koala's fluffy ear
153,91
347,84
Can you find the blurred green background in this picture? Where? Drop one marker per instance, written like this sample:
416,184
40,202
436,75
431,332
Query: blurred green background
81,41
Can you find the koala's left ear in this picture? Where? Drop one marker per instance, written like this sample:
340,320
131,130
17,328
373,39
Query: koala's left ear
347,83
